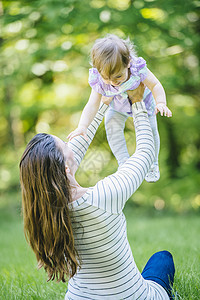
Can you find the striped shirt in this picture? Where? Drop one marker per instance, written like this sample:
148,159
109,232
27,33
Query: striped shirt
108,269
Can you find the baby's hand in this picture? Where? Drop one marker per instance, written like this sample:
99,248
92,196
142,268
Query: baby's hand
106,100
163,109
78,131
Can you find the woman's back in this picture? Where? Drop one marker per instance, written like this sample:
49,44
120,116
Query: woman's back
108,270
108,266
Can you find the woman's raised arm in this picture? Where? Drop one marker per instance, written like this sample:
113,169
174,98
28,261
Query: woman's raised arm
79,144
112,192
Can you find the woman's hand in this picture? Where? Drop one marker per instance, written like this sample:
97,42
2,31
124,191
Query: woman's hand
163,109
78,131
137,94
106,100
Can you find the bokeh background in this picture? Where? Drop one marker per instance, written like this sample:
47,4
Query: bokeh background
44,62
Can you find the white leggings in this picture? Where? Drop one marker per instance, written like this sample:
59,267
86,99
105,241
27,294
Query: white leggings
114,124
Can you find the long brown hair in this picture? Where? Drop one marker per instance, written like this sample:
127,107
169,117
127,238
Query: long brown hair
45,195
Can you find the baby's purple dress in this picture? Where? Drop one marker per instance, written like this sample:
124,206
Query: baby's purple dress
120,100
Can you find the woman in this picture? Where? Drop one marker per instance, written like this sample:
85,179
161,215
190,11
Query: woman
79,232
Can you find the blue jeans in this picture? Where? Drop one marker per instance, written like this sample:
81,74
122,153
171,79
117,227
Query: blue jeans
160,268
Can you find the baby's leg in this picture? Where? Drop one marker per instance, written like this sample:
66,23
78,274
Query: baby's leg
154,174
114,124
154,128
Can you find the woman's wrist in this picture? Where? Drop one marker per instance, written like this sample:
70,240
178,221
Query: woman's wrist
138,107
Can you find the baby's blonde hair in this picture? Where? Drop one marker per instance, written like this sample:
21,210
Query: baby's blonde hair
110,54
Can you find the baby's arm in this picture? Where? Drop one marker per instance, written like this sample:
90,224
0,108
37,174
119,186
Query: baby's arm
158,93
87,115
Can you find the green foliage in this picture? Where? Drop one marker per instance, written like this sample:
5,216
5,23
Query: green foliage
44,63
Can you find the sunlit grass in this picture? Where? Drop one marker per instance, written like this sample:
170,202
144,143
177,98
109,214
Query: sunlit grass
19,278
179,234
148,232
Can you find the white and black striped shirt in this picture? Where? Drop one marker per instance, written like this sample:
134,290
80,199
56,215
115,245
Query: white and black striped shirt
108,269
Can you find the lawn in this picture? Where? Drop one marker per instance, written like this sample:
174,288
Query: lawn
148,232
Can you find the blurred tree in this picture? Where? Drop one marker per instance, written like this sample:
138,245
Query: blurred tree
44,63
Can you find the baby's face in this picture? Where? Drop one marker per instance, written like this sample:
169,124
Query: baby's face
117,78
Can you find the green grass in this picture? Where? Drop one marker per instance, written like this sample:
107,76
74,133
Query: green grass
179,234
19,277
147,232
